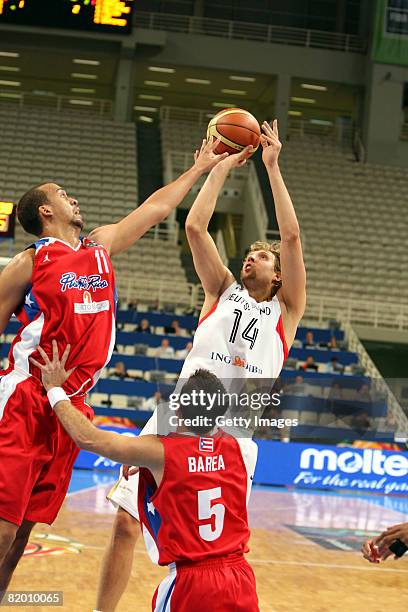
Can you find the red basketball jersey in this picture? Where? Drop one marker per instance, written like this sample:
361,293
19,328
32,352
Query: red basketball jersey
72,299
199,510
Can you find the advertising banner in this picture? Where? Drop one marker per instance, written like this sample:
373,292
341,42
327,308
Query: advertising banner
331,467
390,43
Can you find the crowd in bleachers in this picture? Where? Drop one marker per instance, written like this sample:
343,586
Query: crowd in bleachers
151,347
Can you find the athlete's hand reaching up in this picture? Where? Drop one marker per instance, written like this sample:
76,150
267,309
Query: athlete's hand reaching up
53,372
271,144
235,160
205,159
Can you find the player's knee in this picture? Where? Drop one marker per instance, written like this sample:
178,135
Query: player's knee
126,526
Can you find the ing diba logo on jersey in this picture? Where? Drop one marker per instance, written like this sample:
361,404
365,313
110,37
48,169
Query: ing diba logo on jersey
236,361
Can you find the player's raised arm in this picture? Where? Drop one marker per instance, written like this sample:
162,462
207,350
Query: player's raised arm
292,266
120,236
144,451
14,282
213,274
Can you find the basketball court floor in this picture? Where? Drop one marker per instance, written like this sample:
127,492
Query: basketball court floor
304,551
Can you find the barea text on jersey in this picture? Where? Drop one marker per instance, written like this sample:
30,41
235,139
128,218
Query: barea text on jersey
69,280
206,464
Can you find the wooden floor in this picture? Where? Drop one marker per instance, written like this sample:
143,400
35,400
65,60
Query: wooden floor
304,551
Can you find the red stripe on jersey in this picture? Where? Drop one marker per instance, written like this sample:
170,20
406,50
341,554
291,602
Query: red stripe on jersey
210,312
281,332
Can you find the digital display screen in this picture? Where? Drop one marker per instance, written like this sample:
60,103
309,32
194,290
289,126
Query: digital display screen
98,15
7,219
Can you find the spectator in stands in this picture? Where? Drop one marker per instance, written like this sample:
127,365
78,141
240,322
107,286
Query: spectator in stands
309,340
132,305
364,393
182,353
152,403
296,387
335,392
334,367
119,371
361,422
309,364
155,307
174,328
332,344
144,327
165,351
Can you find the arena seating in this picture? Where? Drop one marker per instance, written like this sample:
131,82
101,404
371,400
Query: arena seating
319,399
93,158
333,196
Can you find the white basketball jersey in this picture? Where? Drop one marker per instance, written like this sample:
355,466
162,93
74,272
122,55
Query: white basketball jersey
239,338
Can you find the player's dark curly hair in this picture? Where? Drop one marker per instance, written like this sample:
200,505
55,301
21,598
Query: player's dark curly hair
203,380
28,209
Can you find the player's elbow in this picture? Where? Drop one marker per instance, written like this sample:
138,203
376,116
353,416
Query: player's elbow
291,235
193,229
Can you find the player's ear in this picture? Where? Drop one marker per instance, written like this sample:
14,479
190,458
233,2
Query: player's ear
45,210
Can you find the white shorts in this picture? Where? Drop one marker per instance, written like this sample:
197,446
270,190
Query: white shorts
125,492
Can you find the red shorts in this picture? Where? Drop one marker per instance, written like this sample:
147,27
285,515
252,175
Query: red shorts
218,585
36,454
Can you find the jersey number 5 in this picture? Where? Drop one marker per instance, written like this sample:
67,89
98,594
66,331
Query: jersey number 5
246,334
212,530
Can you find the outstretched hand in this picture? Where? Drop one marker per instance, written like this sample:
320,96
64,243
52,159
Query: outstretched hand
205,159
271,144
53,372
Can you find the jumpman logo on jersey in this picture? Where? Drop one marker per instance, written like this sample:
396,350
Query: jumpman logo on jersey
46,258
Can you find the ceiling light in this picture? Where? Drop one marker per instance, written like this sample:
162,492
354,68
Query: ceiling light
10,69
303,100
82,75
148,109
160,69
223,105
87,62
245,79
237,92
198,81
321,122
11,83
210,115
314,87
145,119
85,90
82,102
3,94
150,97
294,113
9,54
157,83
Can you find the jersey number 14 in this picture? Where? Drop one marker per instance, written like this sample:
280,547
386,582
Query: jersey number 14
250,333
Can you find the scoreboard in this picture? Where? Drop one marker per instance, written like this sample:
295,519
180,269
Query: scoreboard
98,15
7,219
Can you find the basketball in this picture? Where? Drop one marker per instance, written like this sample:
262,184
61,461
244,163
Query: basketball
236,128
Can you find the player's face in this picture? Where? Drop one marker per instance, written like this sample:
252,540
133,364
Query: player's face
64,208
259,266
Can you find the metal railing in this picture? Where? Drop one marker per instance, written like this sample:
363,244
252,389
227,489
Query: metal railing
337,133
322,308
260,32
395,417
95,106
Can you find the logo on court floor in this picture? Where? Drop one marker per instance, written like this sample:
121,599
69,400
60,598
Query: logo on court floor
51,544
348,540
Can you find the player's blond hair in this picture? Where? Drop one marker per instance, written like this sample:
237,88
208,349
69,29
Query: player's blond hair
270,247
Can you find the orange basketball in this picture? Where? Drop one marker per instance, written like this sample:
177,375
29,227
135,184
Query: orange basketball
236,128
